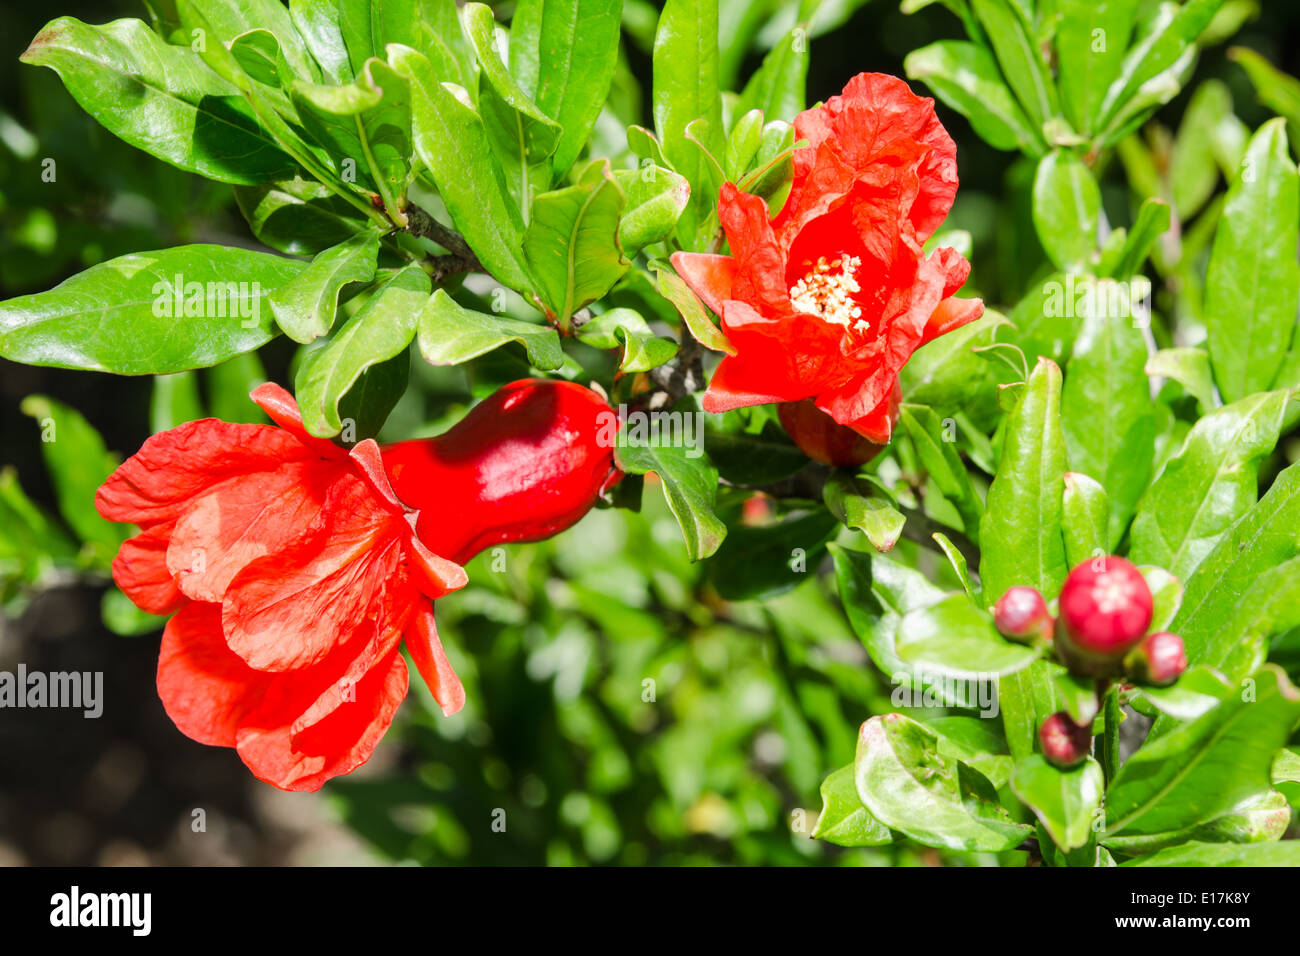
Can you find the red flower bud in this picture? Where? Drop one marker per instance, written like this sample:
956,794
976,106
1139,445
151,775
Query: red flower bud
1021,615
1105,609
1064,743
527,462
1158,660
822,439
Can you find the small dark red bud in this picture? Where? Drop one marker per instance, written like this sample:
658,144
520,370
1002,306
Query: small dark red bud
823,439
1105,609
1158,660
1021,615
1065,744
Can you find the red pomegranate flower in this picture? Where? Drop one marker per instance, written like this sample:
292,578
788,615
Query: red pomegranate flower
831,298
296,574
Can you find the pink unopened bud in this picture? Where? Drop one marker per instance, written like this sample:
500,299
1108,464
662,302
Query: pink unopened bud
1158,660
1021,615
1064,743
1105,609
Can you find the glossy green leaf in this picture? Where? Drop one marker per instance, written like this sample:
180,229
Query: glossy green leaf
863,509
1152,222
690,484
1252,287
686,89
235,18
299,217
1021,61
656,198
317,22
1085,518
1207,486
965,77
1166,595
175,400
742,144
1193,169
368,26
1077,695
381,329
688,304
1194,693
938,455
627,330
161,99
1207,766
1020,536
1090,42
1106,412
947,374
955,639
564,53
571,242
193,305
1063,800
1190,368
304,307
1067,202
909,785
450,334
844,821
453,144
1284,854
777,86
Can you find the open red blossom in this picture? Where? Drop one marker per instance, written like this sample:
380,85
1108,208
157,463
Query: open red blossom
295,575
831,298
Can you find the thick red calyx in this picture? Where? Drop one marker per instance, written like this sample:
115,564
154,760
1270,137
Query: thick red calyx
1021,615
1105,609
1064,743
822,439
527,462
1159,659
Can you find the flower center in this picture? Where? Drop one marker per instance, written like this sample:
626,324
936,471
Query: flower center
827,292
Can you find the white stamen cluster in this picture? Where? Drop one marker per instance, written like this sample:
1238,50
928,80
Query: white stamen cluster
826,292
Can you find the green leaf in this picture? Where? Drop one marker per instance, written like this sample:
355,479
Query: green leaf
1194,693
368,26
1275,89
366,122
304,306
1063,800
78,463
1166,595
1252,287
844,821
1190,368
757,563
125,619
524,136
452,142
742,144
853,503
1163,41
656,198
234,18
1286,853
366,406
1077,695
299,217
1022,64
571,242
746,459
939,457
564,53
686,89
690,485
1193,169
909,785
673,288
1085,517
946,373
1090,43
1152,222
1245,582
627,330
450,334
1067,202
317,22
161,99
175,400
1020,536
777,86
1106,411
965,77
1207,486
381,329
100,319
229,385
957,640
1206,767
